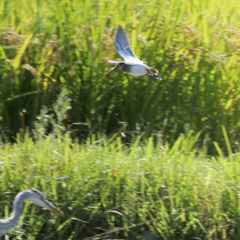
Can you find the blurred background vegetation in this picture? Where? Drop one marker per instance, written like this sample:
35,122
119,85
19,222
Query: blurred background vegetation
50,45
53,61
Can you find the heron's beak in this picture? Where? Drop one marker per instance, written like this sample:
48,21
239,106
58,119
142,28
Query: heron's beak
52,208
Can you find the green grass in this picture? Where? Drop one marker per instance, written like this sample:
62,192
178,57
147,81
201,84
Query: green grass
139,155
194,44
104,187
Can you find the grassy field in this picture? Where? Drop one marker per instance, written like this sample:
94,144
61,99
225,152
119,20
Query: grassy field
111,191
121,154
47,45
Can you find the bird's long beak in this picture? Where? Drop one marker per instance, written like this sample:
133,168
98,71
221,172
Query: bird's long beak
52,208
112,70
155,77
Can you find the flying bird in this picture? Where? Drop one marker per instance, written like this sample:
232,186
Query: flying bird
31,195
131,64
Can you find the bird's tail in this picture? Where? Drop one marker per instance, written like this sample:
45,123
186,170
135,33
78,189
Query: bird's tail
112,70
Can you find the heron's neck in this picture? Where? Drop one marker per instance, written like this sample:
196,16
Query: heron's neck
8,223
17,208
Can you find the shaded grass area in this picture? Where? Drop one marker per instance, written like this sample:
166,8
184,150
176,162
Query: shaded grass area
194,44
111,191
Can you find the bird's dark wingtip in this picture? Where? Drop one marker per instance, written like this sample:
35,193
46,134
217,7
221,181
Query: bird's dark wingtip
120,28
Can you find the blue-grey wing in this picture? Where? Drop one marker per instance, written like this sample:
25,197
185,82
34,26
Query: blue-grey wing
123,46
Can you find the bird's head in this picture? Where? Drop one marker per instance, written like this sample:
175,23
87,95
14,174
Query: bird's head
39,199
153,71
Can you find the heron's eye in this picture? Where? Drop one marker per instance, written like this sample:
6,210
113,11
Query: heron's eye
44,196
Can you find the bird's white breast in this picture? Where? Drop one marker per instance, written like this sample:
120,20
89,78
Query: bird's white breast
138,69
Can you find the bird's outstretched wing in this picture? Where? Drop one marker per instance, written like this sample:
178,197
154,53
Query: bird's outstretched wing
123,46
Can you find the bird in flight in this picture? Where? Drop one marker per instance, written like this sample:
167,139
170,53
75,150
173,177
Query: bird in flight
131,64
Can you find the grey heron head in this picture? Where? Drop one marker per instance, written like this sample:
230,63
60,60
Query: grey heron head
39,199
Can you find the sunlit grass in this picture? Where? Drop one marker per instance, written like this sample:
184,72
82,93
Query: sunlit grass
102,186
152,169
193,44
